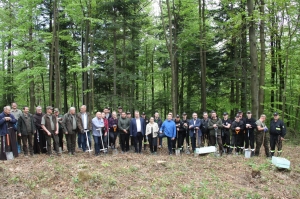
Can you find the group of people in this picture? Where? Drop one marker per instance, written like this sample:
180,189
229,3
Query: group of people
36,132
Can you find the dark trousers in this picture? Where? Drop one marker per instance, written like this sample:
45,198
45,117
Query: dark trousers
160,141
27,139
112,138
237,140
249,137
174,144
60,138
152,142
226,139
138,140
71,142
55,143
124,137
79,140
131,141
170,143
186,136
275,140
219,140
193,142
19,139
181,136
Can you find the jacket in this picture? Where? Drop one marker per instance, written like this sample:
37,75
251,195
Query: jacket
158,121
204,127
111,123
4,125
237,124
179,125
169,128
192,129
67,123
38,120
252,122
123,124
155,129
277,128
80,123
133,130
22,128
48,124
219,124
98,125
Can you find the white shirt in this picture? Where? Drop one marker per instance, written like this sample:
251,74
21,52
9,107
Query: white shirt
138,125
84,120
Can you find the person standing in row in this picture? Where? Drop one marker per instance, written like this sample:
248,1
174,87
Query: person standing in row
105,137
70,126
194,126
26,129
151,131
168,127
16,113
98,132
215,125
262,136
180,132
137,130
113,130
204,129
39,143
85,126
237,128
144,116
277,133
124,125
159,123
50,126
250,126
60,128
226,132
186,135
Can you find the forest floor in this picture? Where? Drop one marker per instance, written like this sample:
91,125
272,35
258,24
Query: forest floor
147,176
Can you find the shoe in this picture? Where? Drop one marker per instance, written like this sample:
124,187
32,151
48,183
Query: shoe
26,156
70,153
73,153
154,153
159,146
58,154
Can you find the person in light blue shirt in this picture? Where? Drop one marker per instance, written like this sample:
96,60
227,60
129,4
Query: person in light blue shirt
98,132
169,129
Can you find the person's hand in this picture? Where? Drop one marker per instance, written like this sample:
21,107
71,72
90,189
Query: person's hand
177,129
191,126
56,132
266,129
197,128
7,118
173,138
19,134
214,125
281,138
66,132
49,134
237,128
160,131
125,131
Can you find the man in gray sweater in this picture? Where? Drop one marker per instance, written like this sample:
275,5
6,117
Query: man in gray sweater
124,124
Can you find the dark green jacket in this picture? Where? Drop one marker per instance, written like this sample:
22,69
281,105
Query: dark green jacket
22,128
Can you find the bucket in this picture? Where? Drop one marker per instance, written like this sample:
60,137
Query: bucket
177,152
247,153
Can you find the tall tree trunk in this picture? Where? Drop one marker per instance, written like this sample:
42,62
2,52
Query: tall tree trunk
31,84
253,59
51,58
202,53
244,57
56,55
115,60
262,57
91,93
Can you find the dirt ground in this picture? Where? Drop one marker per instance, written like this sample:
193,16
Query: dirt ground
148,176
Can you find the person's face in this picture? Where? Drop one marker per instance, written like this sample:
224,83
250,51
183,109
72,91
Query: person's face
39,110
129,115
103,115
156,115
14,105
99,115
184,117
262,118
169,117
56,113
195,116
114,115
205,116
177,119
276,117
151,120
225,116
49,111
7,111
105,110
249,115
144,116
136,115
123,115
72,111
82,109
26,110
213,115
120,110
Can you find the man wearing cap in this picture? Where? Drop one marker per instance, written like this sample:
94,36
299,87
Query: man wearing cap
237,128
226,132
60,127
242,139
120,110
195,130
250,126
204,129
277,133
145,136
26,129
180,133
186,134
70,127
39,144
215,125
85,126
50,126
262,137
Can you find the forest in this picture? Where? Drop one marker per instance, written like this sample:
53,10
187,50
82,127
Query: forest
152,55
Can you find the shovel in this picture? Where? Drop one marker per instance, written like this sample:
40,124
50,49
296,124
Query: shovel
8,152
87,141
217,146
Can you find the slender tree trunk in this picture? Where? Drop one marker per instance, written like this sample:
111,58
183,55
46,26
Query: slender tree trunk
253,59
244,57
202,53
115,60
51,56
56,55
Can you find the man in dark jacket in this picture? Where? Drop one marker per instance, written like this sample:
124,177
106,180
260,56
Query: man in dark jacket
215,125
70,126
204,129
226,132
195,129
137,130
277,133
237,137
50,125
186,135
180,130
39,143
250,126
144,116
124,125
61,133
26,128
159,123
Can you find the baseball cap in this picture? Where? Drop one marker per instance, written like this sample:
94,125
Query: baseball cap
275,114
177,116
248,112
120,107
49,107
184,113
240,111
225,113
56,110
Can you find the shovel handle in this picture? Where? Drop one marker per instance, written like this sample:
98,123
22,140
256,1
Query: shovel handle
7,137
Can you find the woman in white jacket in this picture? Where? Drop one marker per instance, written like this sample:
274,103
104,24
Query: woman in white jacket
151,133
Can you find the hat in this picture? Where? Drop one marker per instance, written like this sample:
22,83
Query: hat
248,112
225,113
49,107
120,107
240,111
184,113
237,116
177,116
275,114
108,108
56,110
143,113
128,112
213,111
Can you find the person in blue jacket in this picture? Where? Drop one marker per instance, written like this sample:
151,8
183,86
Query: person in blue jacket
137,130
195,130
169,129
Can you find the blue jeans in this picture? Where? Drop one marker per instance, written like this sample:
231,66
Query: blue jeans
83,140
97,140
79,140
